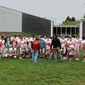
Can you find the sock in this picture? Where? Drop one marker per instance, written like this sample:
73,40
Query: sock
31,54
25,54
63,55
70,56
84,56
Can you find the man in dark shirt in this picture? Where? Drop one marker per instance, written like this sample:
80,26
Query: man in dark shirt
56,48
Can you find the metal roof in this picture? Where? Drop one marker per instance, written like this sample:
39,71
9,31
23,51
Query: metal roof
24,12
66,26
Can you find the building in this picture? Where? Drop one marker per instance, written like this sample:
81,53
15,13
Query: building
16,22
75,29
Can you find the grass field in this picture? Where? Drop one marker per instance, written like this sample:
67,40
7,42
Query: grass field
44,72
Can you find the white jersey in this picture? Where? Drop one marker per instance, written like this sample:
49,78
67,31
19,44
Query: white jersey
83,44
25,42
63,41
0,43
44,39
77,42
47,48
22,44
32,39
13,41
70,42
3,43
28,40
48,41
12,50
18,41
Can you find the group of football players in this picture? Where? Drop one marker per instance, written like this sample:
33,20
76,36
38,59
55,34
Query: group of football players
70,47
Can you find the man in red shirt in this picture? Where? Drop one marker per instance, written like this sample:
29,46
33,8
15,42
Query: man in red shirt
35,45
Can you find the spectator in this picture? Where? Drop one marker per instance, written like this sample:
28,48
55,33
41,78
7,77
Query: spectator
35,45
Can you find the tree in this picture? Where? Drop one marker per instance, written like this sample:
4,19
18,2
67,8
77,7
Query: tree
84,16
67,19
73,19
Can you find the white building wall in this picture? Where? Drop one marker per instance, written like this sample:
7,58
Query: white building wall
52,28
10,20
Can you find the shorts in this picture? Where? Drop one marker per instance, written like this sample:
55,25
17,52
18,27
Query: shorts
63,51
72,53
42,50
21,51
77,50
49,53
5,55
27,49
2,50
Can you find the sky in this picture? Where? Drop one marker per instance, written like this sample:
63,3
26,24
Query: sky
56,10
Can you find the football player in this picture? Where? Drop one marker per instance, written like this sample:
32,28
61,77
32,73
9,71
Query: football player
83,48
77,43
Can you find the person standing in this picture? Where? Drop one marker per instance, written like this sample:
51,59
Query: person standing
35,45
3,45
69,44
56,48
42,49
77,43
83,48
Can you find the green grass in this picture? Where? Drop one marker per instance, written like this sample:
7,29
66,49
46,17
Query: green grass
44,72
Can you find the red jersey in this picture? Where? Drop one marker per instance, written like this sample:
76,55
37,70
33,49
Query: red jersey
35,45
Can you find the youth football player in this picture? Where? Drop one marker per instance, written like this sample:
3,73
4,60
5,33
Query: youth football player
77,43
83,48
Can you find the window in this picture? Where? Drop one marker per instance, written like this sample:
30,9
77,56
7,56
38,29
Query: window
63,30
58,30
68,31
77,31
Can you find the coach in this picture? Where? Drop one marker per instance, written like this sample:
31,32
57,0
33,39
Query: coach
35,45
56,48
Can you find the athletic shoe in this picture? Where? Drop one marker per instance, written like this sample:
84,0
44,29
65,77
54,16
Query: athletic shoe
50,58
78,59
27,56
83,61
20,57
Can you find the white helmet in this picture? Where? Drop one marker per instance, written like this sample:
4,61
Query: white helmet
15,56
72,46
